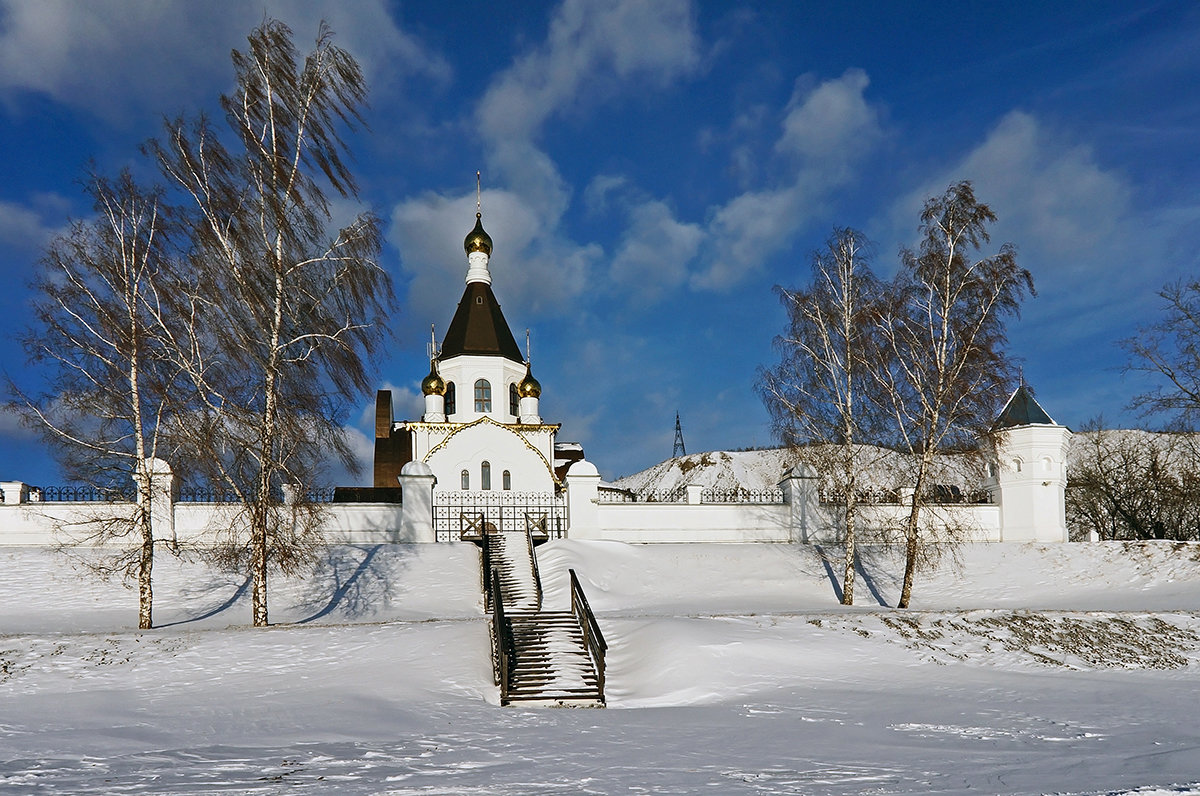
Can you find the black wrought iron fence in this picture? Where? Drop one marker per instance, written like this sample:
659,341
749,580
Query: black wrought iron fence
616,495
870,497
497,510
207,494
82,494
612,494
741,496
938,495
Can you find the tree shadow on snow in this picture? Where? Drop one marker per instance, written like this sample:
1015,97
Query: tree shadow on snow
228,603
351,580
873,559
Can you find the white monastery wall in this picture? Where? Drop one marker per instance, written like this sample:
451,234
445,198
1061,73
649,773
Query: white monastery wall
1031,496
675,522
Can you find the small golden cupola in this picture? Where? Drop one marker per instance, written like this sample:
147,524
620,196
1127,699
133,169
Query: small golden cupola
477,239
433,384
529,386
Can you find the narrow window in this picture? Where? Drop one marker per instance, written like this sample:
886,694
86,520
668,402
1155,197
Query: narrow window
448,405
514,401
483,396
485,476
507,480
466,480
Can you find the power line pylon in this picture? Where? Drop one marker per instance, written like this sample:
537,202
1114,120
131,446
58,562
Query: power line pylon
680,450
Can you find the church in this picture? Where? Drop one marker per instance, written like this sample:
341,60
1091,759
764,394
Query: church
481,429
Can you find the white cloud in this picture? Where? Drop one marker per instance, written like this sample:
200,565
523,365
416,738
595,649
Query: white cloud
1050,194
1066,213
594,50
599,192
539,271
594,46
1095,265
113,57
828,127
746,231
826,131
11,426
22,228
656,249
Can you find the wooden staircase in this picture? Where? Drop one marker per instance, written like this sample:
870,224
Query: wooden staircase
512,558
553,665
540,657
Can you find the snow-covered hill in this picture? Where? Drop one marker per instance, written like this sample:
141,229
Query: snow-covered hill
888,470
884,470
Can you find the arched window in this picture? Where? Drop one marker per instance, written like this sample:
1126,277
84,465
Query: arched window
466,480
514,400
506,480
448,405
483,396
485,475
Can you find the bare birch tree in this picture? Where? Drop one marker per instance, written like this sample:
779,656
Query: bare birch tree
99,334
949,372
819,393
291,309
1170,351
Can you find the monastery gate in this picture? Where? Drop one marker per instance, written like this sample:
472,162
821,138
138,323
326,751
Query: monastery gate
459,514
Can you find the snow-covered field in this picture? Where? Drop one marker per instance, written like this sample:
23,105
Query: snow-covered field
732,670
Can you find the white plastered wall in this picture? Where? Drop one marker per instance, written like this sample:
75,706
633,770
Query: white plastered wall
465,370
525,451
1029,483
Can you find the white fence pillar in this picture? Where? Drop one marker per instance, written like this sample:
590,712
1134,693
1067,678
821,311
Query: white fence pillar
162,500
583,494
694,494
416,507
800,487
14,492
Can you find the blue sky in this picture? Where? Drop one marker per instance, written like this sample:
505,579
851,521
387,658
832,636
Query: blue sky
651,169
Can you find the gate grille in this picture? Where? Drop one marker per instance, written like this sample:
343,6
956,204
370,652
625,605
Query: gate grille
457,512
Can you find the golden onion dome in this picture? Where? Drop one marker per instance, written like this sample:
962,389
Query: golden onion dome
477,239
433,384
529,387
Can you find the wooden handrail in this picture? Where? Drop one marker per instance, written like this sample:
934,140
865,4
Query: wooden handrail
485,567
537,577
502,639
592,636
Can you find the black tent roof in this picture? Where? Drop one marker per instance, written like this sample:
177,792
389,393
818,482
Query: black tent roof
479,327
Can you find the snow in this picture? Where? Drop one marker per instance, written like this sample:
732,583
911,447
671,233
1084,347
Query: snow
732,669
762,469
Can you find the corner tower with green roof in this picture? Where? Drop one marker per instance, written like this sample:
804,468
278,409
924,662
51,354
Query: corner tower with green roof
1027,474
